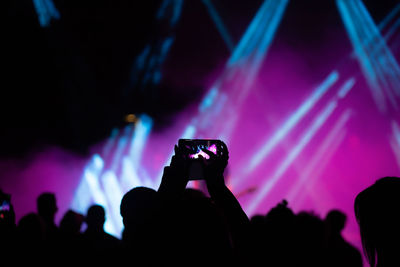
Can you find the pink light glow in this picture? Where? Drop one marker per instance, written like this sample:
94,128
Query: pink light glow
212,148
328,172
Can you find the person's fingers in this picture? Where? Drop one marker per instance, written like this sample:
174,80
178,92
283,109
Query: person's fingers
176,149
173,160
179,152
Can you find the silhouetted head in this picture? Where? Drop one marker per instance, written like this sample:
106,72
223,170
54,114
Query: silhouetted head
279,214
71,222
335,221
138,205
140,215
31,229
47,205
95,217
377,211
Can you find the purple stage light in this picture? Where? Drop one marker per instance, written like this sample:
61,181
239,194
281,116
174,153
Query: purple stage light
315,140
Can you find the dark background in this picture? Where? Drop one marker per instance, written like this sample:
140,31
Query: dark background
69,84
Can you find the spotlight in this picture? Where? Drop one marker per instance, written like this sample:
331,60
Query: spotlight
46,11
131,118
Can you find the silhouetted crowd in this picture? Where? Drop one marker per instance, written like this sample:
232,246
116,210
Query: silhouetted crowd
181,226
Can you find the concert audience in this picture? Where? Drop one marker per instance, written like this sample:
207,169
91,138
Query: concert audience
177,225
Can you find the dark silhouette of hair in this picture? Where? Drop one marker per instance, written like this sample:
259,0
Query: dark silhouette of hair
377,211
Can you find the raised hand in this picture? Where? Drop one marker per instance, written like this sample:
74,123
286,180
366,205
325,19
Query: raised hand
214,167
175,176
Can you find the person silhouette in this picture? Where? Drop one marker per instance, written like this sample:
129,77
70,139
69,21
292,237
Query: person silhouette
377,212
97,241
47,209
31,236
140,215
70,237
190,206
272,237
339,251
309,244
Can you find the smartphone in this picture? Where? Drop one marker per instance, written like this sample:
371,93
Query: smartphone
194,151
195,147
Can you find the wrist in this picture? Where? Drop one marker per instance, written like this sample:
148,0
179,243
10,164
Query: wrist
172,183
215,182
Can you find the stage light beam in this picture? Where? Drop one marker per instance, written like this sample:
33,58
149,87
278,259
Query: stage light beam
46,11
114,196
292,121
346,87
377,62
321,157
240,50
139,139
219,24
305,139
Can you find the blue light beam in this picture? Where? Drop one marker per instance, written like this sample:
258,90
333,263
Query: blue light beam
292,121
130,177
114,195
378,64
219,24
305,139
139,139
252,32
46,11
321,157
346,87
384,58
362,55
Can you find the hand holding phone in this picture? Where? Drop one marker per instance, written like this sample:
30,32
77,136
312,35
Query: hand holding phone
214,167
